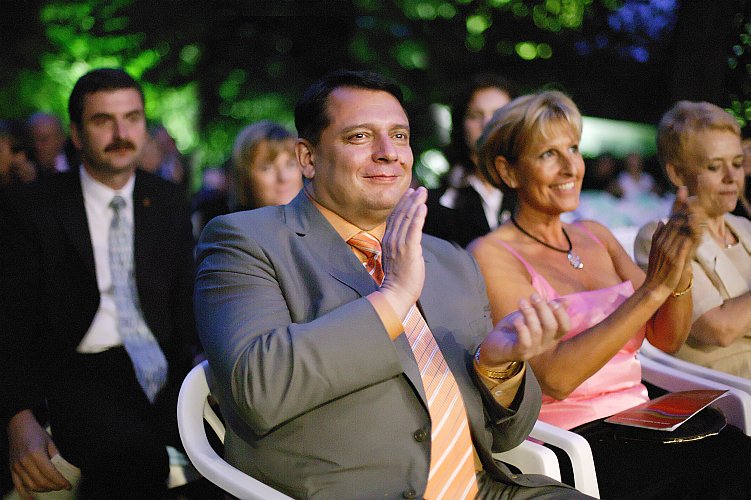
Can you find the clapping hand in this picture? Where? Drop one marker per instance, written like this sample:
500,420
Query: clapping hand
403,264
534,328
674,244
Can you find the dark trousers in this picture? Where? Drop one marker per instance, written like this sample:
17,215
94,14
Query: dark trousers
103,423
715,467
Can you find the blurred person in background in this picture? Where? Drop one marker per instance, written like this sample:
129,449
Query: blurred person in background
16,155
468,206
633,180
700,147
211,199
49,143
265,166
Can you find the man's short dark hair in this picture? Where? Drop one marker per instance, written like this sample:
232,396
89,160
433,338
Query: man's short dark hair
311,115
94,81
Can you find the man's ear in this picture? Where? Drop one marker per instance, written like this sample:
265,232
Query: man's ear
505,172
305,158
674,174
75,136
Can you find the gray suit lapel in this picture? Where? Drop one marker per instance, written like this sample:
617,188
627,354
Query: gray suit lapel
337,259
334,255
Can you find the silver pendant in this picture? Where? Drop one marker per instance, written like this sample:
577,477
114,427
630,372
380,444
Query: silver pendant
574,260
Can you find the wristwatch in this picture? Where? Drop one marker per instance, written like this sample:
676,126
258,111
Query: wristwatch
513,369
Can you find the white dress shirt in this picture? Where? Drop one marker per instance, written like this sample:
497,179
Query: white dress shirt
491,197
103,332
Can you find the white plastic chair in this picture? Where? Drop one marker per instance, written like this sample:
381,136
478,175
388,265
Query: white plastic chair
673,374
192,410
532,458
735,405
651,352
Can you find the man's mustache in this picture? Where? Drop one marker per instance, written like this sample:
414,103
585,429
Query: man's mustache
122,144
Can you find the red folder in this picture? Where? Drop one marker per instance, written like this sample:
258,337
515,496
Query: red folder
667,412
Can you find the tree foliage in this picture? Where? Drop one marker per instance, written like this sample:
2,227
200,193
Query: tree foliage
209,68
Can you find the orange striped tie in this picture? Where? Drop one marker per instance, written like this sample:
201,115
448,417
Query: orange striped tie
452,470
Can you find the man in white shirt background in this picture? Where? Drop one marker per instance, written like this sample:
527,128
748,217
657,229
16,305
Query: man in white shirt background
96,279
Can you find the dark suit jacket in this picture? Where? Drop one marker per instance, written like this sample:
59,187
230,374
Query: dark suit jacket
48,287
319,401
460,224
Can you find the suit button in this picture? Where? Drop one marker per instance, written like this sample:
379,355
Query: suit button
420,435
410,494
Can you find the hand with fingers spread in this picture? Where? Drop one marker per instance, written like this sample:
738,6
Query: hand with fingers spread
403,265
535,327
31,449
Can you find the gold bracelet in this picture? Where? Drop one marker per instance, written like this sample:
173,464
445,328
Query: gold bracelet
684,292
513,369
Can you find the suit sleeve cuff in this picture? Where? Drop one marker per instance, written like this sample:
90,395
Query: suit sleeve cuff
504,392
386,313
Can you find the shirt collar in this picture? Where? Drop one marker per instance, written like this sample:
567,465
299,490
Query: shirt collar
101,195
344,228
489,194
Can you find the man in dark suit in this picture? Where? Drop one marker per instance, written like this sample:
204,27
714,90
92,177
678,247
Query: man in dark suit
97,324
333,386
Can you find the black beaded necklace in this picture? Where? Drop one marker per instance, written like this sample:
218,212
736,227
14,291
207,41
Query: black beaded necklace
573,258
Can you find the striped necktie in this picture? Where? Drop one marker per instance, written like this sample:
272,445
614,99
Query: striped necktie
147,357
452,470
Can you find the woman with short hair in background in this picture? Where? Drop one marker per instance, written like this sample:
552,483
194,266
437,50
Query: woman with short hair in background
699,145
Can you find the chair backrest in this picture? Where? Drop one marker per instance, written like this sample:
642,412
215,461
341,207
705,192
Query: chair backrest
192,409
673,374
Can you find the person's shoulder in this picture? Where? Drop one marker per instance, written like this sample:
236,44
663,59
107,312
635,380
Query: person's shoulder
258,220
491,243
739,222
155,184
35,195
598,229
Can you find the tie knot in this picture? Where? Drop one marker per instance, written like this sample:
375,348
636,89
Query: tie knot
366,243
371,248
117,203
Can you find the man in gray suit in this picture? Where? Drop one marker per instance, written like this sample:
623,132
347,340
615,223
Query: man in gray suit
319,385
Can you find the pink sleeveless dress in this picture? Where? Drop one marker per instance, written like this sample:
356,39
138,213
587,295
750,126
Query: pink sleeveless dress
617,385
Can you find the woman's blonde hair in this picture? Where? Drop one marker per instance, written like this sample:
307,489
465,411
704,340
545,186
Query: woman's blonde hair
679,125
514,126
245,149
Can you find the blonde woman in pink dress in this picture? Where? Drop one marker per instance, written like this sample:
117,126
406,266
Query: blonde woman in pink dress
530,150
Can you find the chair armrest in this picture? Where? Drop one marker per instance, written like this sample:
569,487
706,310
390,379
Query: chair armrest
736,405
663,358
578,451
191,404
532,458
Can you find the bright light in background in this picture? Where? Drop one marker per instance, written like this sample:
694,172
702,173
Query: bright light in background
441,115
429,168
599,135
617,138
